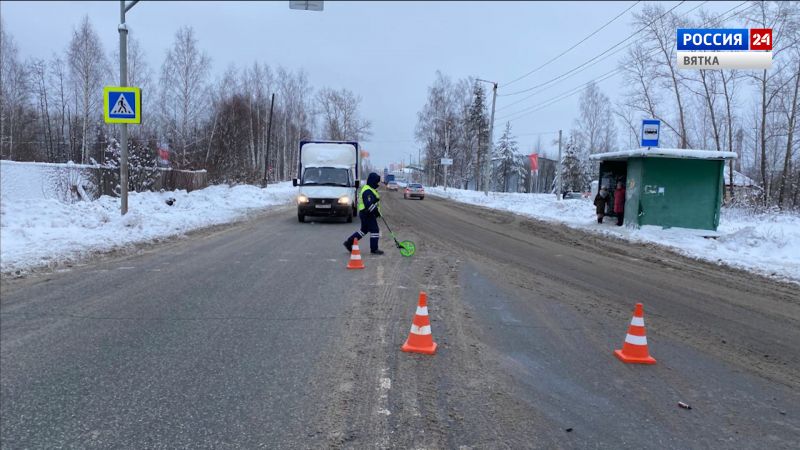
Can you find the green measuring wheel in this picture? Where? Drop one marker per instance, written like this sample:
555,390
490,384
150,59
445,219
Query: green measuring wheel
407,248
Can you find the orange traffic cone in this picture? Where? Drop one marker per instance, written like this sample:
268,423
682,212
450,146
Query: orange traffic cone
420,339
634,350
355,257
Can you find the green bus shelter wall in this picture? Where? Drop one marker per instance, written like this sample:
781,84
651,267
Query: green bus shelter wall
677,192
633,184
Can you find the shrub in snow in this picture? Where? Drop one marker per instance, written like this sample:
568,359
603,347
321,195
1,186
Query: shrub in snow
142,166
73,183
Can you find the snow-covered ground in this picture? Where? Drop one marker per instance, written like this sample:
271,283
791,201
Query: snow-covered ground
43,231
765,243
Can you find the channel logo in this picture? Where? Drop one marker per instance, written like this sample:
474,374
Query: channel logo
724,48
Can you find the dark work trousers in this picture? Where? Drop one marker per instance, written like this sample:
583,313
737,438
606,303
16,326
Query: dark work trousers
369,224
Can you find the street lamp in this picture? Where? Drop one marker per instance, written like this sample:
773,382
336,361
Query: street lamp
446,145
487,161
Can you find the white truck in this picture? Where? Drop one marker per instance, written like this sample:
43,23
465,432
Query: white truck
327,177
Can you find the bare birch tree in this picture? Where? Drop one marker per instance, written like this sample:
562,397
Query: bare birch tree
184,77
13,93
341,119
89,68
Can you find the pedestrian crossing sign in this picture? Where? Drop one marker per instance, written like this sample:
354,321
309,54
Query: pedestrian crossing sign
122,104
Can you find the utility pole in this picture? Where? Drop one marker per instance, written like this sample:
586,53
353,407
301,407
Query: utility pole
560,172
413,175
446,150
269,138
419,164
490,150
446,146
488,159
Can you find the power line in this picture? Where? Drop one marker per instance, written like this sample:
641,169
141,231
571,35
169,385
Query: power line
562,77
579,88
398,141
540,133
607,75
571,48
594,58
558,98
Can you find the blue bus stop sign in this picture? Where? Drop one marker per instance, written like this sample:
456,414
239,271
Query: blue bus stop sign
650,131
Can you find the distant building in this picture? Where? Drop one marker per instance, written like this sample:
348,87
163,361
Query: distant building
744,187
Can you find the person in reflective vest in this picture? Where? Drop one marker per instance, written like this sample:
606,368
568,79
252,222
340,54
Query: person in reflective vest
368,211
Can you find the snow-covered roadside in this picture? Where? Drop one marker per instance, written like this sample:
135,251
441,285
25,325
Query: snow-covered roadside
46,232
768,244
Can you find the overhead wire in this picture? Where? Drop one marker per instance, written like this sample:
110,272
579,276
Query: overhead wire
539,133
558,98
522,91
573,47
542,88
524,112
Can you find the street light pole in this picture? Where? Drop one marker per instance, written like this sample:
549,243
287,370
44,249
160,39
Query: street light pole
488,158
446,146
413,174
123,81
419,163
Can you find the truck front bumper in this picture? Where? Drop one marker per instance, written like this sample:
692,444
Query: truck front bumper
324,207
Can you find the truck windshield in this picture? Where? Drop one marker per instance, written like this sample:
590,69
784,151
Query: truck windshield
326,176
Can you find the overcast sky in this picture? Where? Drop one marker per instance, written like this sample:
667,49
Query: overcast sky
387,52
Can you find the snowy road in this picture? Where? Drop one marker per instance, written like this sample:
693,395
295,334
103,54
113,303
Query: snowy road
255,335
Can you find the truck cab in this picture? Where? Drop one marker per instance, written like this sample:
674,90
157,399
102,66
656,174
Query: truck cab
327,179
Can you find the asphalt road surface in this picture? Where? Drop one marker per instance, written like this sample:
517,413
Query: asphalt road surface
256,336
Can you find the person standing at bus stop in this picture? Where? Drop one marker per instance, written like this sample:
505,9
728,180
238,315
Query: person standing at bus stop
368,212
600,203
619,202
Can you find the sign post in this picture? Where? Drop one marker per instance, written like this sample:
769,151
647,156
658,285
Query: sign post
446,162
650,132
123,105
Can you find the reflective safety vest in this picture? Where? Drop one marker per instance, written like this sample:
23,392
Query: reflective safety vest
364,188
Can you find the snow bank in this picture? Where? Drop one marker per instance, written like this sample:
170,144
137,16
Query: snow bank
768,244
39,181
43,231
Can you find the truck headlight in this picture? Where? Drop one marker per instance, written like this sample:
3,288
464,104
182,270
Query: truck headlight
302,199
344,200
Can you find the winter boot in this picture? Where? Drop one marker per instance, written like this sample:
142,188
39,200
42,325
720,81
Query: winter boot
349,246
377,252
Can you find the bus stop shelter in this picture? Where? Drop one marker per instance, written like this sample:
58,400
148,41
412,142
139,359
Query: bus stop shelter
667,187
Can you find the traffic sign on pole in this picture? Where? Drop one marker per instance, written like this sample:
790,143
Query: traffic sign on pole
650,132
122,104
447,161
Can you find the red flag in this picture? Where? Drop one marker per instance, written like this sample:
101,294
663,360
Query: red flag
534,157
